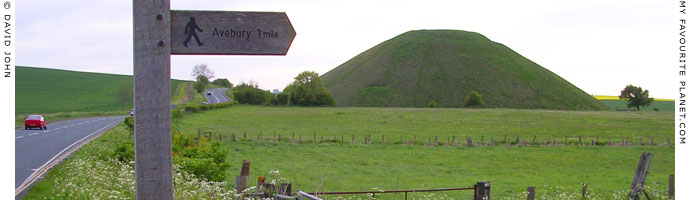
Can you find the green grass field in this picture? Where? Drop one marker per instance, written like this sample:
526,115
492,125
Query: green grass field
44,91
425,123
344,166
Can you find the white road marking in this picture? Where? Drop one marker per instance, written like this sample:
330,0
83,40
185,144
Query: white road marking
34,134
18,137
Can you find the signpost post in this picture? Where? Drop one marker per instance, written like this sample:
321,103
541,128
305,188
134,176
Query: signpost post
160,32
152,125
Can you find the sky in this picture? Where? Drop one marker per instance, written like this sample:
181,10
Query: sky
599,46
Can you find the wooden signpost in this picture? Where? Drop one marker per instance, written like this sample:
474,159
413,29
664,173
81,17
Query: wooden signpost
160,32
230,33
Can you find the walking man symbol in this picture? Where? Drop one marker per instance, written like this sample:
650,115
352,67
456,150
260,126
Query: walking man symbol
190,30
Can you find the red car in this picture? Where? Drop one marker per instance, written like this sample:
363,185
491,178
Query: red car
35,121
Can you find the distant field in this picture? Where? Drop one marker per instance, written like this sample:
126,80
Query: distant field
43,91
344,166
605,97
617,104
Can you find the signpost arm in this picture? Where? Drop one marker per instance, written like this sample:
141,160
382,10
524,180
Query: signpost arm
152,125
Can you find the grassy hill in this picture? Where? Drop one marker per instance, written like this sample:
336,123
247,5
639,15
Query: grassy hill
41,90
445,66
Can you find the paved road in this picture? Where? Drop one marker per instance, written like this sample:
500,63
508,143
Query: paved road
217,95
37,150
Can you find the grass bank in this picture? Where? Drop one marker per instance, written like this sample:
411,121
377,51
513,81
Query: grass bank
94,172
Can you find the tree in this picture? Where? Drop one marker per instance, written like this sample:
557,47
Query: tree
203,70
635,96
432,104
222,82
202,79
307,90
124,95
474,99
200,84
199,87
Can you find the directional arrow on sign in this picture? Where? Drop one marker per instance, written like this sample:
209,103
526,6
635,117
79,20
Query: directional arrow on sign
230,33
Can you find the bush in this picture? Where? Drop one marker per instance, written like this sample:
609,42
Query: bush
129,121
204,107
474,99
191,109
656,109
175,113
124,152
203,158
251,94
432,104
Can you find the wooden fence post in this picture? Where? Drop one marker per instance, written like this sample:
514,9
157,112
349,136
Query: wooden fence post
671,186
245,134
637,185
242,179
584,190
314,136
482,191
517,139
565,142
530,193
579,140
